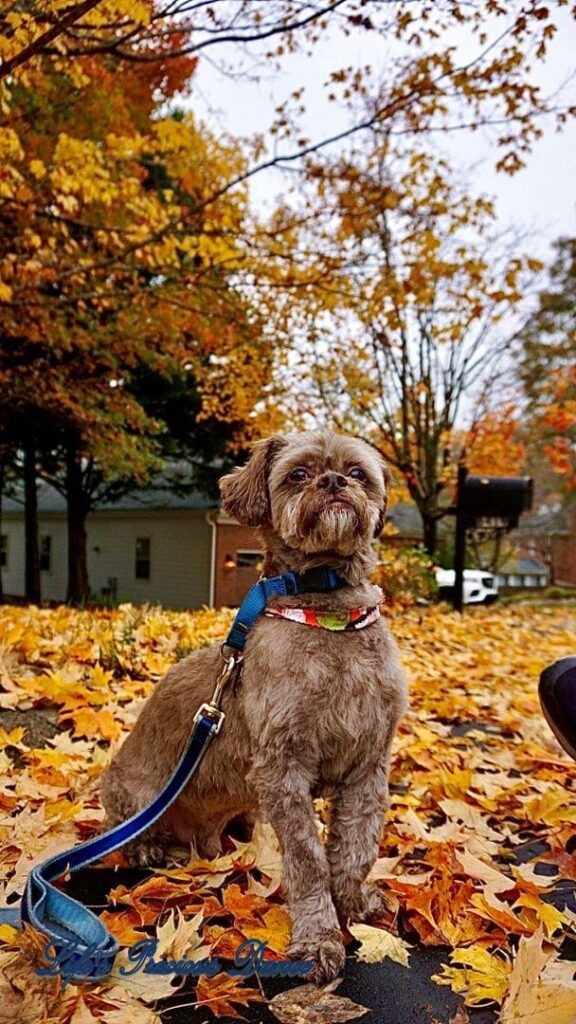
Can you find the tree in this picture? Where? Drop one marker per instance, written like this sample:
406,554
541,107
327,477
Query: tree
408,286
138,32
84,311
431,85
133,246
548,366
195,448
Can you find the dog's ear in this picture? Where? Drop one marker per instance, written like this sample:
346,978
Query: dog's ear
382,514
244,492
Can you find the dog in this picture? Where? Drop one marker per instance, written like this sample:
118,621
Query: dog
315,712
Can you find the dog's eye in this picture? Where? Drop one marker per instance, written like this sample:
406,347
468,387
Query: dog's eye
357,474
298,476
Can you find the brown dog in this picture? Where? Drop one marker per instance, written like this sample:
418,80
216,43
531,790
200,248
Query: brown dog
316,711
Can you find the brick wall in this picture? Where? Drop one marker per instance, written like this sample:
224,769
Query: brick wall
231,585
564,559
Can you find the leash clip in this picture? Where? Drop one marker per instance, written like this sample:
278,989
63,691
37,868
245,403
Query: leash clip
212,709
214,714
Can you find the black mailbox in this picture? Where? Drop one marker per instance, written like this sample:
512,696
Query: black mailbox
485,501
495,497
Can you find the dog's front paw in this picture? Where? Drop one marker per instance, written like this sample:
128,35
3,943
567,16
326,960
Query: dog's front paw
145,853
327,954
373,905
364,904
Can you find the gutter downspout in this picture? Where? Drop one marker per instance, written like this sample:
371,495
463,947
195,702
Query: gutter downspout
212,520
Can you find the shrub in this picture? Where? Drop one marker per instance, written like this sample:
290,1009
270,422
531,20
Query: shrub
556,593
406,575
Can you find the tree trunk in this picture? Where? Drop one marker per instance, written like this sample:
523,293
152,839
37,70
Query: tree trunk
430,526
32,554
78,591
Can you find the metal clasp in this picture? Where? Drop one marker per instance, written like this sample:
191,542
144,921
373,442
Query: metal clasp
230,663
208,711
212,709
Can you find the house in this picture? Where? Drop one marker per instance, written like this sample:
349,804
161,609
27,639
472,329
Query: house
522,572
150,546
183,552
548,534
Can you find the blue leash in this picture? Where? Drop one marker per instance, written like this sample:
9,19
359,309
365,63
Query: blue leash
73,930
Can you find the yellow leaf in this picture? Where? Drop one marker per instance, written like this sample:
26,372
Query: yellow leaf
177,937
553,807
265,849
377,945
11,739
275,930
551,918
38,169
542,990
91,723
482,977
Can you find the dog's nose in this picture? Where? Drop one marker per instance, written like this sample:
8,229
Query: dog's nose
332,482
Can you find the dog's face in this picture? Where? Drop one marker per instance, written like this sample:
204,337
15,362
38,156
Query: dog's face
319,491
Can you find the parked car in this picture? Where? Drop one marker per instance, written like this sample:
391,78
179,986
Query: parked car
480,587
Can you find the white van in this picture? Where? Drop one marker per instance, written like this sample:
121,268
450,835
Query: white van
480,587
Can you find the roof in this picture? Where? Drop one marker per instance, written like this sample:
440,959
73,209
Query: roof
545,520
523,567
50,500
407,520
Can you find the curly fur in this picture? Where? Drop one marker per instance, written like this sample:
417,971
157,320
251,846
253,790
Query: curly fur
316,711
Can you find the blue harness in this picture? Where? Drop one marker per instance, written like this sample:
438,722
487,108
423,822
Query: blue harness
68,925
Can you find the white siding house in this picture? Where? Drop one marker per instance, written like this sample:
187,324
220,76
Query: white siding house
523,572
152,547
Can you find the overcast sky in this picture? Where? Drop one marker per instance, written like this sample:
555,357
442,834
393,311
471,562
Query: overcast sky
540,198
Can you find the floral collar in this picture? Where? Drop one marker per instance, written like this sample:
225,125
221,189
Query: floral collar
354,618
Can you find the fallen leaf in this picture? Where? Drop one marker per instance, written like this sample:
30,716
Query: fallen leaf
220,993
494,879
377,945
483,977
275,930
313,1004
147,987
178,937
542,989
551,918
267,859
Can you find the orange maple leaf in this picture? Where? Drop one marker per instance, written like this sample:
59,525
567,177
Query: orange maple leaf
219,994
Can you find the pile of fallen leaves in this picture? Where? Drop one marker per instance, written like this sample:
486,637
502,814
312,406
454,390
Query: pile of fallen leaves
477,778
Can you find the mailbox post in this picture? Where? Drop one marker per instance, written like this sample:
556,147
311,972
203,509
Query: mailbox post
496,501
460,544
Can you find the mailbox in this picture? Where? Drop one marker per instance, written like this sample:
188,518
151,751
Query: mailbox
495,501
495,497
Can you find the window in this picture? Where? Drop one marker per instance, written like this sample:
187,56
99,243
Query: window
248,559
143,558
45,554
3,550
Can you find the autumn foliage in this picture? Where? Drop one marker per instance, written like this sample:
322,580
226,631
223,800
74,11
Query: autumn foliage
477,779
372,298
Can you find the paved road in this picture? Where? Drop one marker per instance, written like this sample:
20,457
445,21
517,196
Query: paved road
393,994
